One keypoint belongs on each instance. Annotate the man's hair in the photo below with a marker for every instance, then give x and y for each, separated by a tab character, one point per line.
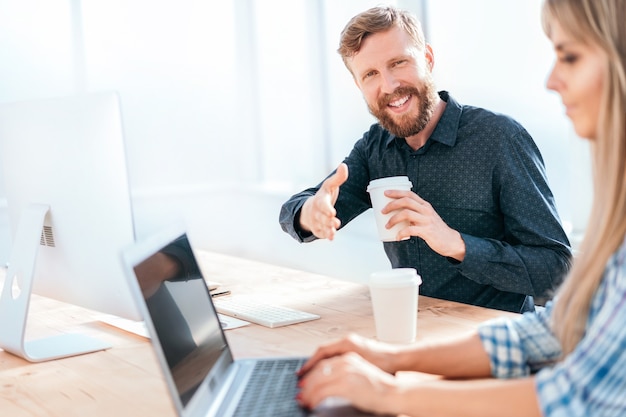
376	20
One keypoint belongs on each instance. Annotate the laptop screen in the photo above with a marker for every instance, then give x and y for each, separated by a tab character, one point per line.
183	317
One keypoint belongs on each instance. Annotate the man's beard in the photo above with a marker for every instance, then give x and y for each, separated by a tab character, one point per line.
408	125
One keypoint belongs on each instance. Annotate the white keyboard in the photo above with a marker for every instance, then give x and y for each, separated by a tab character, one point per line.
268	315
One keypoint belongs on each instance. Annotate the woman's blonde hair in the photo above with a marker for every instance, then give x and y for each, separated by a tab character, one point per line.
601	23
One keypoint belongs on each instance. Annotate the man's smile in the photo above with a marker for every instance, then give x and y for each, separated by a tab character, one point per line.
399	102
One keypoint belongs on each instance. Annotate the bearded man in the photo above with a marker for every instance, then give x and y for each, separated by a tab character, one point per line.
482	225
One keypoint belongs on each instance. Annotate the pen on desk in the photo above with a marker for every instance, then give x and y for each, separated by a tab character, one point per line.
220	293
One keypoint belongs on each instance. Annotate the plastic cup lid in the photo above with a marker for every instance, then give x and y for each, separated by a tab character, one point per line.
389	181
396	277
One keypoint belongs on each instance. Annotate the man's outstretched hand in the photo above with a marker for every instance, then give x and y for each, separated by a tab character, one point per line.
318	214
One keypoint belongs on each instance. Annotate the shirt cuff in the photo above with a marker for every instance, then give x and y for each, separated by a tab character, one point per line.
304	235
474	260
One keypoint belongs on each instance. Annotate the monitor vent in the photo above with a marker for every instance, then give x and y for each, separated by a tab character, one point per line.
47	237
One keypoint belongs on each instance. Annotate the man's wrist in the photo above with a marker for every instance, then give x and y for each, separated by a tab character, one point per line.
297	225
458	248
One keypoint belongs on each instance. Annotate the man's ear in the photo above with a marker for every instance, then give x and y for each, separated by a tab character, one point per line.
430	57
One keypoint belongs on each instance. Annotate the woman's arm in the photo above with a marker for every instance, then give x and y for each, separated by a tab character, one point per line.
480	398
463	357
369	388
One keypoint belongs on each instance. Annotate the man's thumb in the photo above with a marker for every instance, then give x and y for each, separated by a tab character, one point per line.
340	176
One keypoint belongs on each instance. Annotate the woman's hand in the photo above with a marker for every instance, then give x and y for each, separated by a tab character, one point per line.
350	377
377	353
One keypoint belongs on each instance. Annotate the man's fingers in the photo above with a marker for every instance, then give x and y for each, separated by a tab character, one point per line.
319	210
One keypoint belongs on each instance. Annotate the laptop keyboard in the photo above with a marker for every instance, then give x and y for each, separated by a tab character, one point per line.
271	390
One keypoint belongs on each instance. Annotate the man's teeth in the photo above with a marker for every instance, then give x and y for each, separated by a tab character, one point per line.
399	102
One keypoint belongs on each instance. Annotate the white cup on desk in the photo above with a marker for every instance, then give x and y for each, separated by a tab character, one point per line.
376	189
394	295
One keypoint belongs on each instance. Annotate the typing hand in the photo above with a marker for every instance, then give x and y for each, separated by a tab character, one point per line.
349	377
378	353
318	214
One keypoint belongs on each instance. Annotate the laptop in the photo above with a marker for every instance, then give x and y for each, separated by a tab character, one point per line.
202	377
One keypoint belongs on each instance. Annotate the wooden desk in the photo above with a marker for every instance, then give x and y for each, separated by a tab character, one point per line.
126	380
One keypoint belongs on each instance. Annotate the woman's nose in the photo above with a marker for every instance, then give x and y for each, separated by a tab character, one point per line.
553	82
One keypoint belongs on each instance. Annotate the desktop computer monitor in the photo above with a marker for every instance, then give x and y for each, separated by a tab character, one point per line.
64	166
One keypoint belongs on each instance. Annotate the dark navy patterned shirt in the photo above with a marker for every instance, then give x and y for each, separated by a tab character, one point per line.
485	177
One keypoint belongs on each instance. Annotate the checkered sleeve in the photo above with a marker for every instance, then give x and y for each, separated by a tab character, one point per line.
520	346
591	381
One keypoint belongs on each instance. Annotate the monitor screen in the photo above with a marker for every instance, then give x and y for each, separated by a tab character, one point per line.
67	154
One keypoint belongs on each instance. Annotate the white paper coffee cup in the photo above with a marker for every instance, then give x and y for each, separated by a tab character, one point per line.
376	189
394	296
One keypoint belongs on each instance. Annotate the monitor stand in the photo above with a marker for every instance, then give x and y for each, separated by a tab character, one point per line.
15	299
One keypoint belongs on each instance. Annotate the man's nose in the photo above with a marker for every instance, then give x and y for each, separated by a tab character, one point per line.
389	82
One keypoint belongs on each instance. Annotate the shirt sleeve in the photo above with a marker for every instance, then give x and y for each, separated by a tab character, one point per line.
591	381
290	212
520	346
533	255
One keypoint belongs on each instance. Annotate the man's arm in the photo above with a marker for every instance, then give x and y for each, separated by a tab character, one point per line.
289	217
533	256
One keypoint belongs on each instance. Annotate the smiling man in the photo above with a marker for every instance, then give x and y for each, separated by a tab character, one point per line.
482	226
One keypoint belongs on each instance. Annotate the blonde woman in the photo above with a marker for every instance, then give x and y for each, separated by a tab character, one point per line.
567	360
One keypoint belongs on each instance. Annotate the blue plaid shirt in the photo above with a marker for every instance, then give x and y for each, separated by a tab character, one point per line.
591	381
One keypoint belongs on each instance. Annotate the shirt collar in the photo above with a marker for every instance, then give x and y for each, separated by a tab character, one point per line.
445	131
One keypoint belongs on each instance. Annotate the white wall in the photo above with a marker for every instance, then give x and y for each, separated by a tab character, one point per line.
231	106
